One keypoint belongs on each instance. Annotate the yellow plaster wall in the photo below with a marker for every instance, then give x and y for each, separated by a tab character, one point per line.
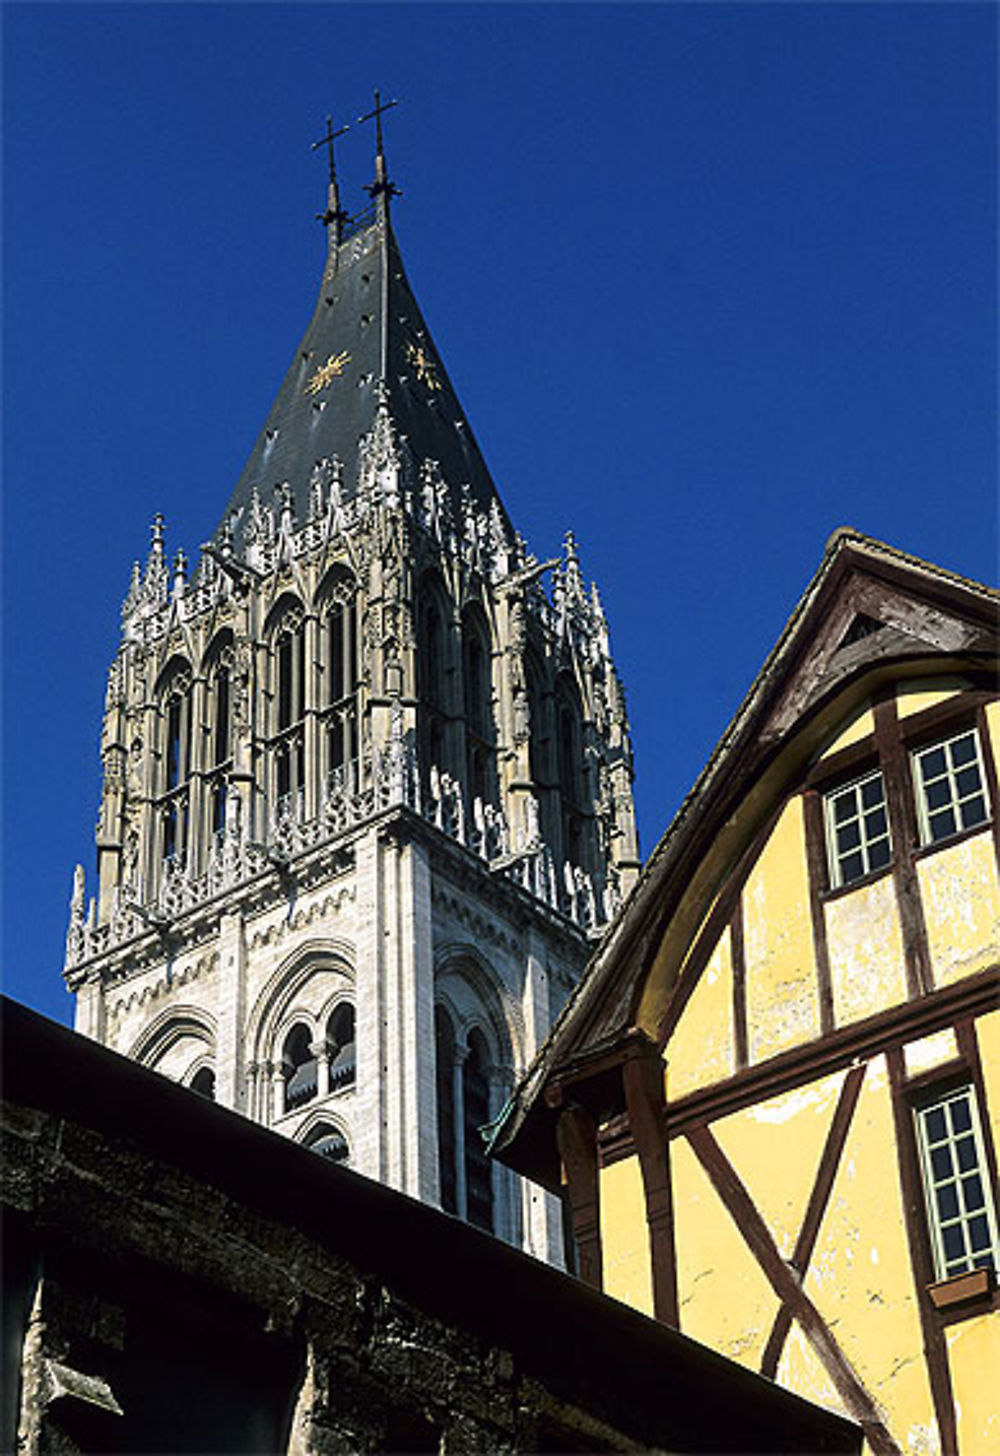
624	1236
961	899
862	725
801	1371
867	970
860	1277
725	1300
701	1049
781	991
775	1147
915	697
974	1363
930	1051
988	1037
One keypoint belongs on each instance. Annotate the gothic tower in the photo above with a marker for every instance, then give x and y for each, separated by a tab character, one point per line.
367	783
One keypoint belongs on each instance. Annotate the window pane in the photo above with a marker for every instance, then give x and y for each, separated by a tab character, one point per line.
972	1193
941	1163
983	1261
942	824
875	824
852	868
966	1151
973	812
935	1124
843	806
963	750
879	854
938	794
961	1117
947	1201
849	837
933	763
954	1244
872	792
979	1233
967	781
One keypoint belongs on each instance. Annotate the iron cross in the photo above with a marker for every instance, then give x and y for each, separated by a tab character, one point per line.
377	113
328	141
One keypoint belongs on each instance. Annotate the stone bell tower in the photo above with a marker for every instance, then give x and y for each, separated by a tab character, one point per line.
367	774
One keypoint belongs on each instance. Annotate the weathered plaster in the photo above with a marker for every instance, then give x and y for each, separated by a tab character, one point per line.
867	970
701	1049
958	886
626	1265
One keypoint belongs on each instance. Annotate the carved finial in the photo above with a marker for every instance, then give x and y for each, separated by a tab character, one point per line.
156	533
180	574
573	577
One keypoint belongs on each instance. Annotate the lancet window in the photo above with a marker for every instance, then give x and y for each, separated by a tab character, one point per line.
340	647
480	730
219	736
569	749
465	1173
340	1047
173	799
434	674
288	735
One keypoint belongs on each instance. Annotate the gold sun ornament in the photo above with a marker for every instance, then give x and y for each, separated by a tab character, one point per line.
423	365
327	373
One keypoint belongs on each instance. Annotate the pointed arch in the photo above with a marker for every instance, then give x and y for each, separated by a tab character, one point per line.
336	602
477	691
179	1043
435	672
284	632
218	661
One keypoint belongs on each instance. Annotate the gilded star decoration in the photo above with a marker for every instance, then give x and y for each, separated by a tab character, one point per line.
423	364
327	373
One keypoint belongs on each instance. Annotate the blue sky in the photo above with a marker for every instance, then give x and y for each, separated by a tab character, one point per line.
710	280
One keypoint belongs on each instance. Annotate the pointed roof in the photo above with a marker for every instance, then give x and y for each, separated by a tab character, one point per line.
870	609
366	345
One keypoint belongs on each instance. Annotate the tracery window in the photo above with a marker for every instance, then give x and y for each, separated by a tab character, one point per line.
340	649
476	1112
175	767
433	674
480	727
569	751
219	739
288	736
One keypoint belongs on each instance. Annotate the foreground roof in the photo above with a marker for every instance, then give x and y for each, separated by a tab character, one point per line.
63	1092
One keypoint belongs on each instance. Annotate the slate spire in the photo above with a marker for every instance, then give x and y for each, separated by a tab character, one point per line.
366	353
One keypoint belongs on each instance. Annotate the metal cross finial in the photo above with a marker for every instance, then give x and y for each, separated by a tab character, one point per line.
334	213
328	141
377	113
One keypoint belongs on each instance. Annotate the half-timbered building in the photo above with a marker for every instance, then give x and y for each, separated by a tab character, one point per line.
772	1103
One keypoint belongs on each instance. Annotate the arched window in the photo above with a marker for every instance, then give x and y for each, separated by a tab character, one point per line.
175	766
203	1082
569	750
288	736
219	735
299	1067
465	1174
476	1113
433	674
444	1044
340	648
480	730
340	1041
329	1142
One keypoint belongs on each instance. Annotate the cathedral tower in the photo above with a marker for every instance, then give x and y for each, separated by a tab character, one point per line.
367	782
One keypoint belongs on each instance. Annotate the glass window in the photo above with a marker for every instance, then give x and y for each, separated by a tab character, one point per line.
857	830
950	788
960	1212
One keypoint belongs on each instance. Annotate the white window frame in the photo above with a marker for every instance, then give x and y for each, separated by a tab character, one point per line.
971	1138
833	854
955	799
